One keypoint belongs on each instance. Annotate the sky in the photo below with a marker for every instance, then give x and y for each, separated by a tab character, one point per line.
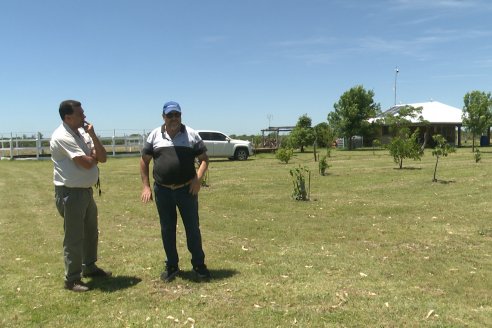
237	66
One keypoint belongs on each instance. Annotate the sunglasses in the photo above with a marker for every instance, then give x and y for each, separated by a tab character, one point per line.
173	114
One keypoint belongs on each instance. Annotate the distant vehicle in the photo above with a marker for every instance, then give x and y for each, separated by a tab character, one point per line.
221	145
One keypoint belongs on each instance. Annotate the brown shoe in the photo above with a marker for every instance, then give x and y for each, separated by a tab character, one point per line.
76	286
98	272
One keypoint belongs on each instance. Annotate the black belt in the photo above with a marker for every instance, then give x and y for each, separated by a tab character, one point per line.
174	186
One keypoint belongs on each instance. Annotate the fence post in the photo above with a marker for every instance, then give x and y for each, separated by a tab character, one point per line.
38	145
17	144
11	147
113	141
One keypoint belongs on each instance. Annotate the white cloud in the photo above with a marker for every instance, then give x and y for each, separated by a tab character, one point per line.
421	46
442	4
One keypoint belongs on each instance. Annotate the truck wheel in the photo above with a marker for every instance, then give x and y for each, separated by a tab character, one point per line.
241	154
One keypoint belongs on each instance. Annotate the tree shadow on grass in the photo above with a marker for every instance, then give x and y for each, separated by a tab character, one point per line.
444	181
113	284
408	168
218	274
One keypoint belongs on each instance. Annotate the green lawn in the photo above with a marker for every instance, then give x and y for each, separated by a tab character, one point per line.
375	247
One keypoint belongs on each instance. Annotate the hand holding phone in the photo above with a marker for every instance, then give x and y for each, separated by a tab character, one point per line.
89	128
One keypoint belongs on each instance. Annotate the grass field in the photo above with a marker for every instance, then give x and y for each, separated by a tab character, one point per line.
374	247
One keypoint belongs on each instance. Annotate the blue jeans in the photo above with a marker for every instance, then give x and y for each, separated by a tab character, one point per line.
167	200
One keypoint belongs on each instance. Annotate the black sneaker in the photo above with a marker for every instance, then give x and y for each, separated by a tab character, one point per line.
98	273
170	273
76	286
202	271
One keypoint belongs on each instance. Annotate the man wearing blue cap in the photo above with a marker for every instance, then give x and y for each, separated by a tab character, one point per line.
174	148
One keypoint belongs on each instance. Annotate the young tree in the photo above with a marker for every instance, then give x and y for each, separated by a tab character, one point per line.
303	134
301	190
323	165
324	134
442	149
477	113
352	112
404	143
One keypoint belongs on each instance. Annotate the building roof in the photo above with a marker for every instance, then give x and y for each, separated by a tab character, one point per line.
433	112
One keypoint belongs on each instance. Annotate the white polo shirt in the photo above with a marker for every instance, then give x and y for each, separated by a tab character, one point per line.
64	146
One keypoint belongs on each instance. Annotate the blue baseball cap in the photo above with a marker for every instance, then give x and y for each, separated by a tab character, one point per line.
171	106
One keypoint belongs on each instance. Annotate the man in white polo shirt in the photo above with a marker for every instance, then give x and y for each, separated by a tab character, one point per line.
75	152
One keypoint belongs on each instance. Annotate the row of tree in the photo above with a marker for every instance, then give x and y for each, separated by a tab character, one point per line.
353	111
350	118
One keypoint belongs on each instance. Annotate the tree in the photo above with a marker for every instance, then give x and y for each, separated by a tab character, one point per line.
403	117
303	134
352	111
324	134
477	113
442	149
404	144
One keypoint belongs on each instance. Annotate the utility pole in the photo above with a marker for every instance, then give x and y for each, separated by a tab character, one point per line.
396	76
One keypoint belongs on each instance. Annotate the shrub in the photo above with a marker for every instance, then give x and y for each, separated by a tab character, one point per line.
477	155
301	191
376	143
284	154
323	165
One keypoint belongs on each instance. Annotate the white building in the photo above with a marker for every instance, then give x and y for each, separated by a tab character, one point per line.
441	119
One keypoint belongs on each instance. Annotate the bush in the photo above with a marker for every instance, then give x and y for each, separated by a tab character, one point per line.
478	156
301	191
284	154
376	143
323	165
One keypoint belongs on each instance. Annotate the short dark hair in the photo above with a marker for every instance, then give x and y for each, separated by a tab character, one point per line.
67	107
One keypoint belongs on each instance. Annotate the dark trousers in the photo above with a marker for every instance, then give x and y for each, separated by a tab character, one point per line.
167	200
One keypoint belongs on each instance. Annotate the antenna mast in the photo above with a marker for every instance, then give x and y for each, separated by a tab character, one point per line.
396	76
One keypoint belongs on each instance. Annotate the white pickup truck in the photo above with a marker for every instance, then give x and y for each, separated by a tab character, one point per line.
220	145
